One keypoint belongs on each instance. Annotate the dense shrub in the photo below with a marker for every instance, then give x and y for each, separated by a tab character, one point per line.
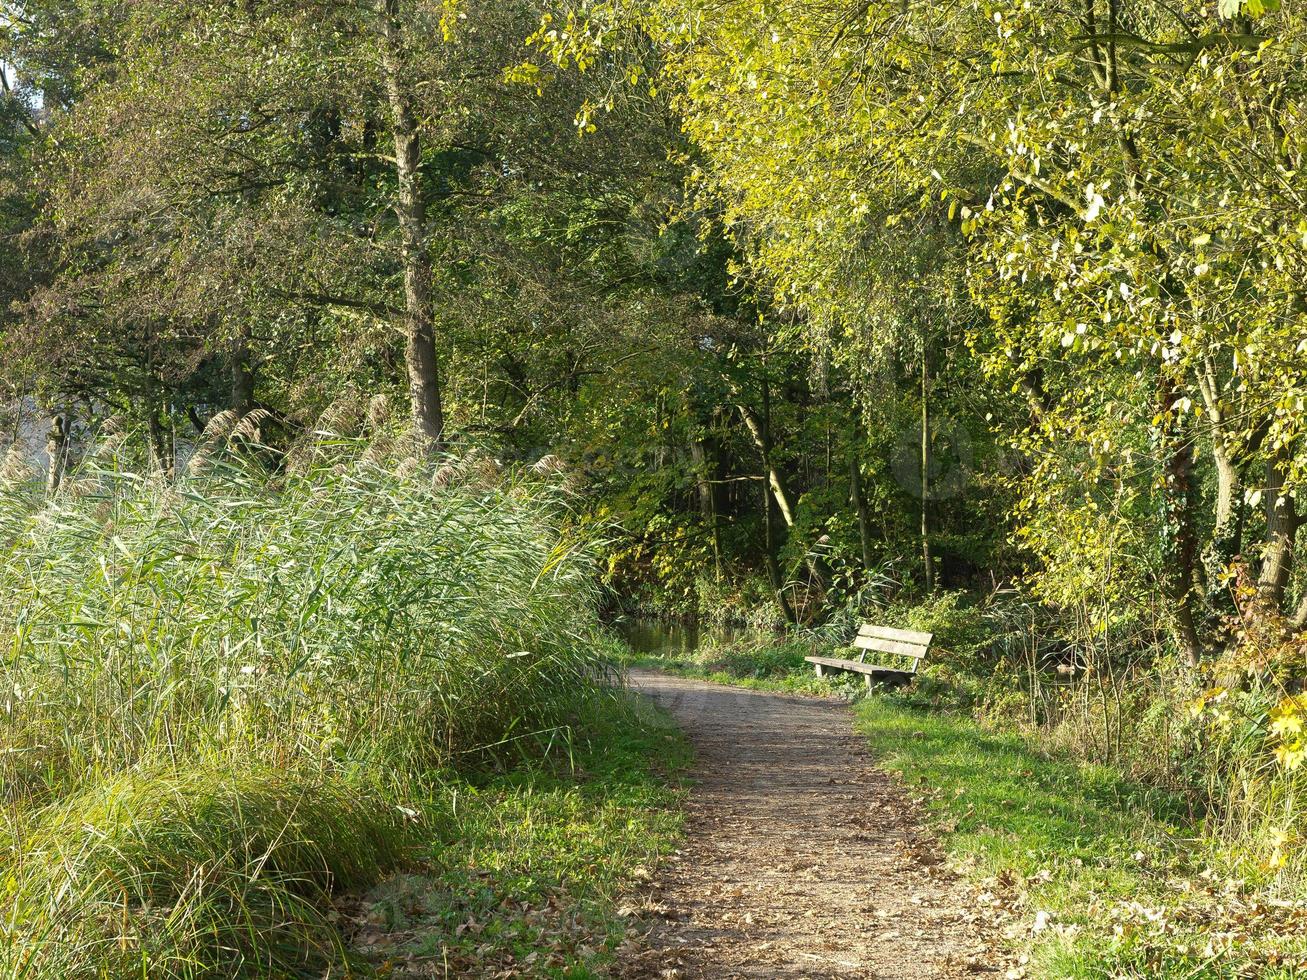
224	696
199	872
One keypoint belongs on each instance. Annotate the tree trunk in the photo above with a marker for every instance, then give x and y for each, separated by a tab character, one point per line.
1227	526
242	376
860	504
1299	620
773	496
1281	530
762	439
411	209
927	562
769	557
704	458
1177	495
163	448
1227	489
702	481
159	445
56	448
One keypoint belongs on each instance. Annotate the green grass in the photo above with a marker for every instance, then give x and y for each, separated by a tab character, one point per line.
757	662
1128	885
534	872
1131	884
230	698
527	869
197	872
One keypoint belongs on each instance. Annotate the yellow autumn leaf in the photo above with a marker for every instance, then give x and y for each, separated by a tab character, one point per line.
1291	756
1287	718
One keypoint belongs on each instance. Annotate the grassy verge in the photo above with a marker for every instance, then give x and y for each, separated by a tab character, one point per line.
1087	873
234	697
759	663
533	866
1081	871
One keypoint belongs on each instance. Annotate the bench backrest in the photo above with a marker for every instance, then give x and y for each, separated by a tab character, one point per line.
884	639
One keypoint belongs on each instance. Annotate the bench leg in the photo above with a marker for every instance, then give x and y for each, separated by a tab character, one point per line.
820	672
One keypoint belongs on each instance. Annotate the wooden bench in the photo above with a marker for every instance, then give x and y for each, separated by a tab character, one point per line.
882	639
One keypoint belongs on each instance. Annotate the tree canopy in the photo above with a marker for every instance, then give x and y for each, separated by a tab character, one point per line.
986	291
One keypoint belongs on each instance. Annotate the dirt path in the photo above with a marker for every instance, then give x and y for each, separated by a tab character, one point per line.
802	858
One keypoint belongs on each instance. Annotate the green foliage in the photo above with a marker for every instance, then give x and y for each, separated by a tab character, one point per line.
755	657
358	607
962	629
750	658
1072	240
1053	207
533	866
193	873
233	695
1097	856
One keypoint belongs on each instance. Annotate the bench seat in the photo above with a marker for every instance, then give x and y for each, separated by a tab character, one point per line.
882	639
857	667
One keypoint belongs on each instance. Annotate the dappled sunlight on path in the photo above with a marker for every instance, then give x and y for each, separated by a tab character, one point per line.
802	858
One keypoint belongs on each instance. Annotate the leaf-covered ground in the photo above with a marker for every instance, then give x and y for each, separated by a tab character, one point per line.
529	876
802	859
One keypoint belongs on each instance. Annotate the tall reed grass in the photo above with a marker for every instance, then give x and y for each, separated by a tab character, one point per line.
223	697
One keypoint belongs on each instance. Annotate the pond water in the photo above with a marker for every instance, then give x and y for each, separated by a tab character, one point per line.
670	637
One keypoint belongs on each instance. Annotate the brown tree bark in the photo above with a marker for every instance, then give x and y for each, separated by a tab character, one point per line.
860	504
1281	531
421	362
56	448
1178	493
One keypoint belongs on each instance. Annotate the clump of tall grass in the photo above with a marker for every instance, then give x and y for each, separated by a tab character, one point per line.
218	693
196	872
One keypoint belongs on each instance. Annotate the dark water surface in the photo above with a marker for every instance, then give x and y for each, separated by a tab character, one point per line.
670	638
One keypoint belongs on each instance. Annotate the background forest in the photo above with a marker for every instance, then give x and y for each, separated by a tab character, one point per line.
991	313
283	210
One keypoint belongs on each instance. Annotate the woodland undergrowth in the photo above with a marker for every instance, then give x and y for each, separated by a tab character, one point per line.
230	696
